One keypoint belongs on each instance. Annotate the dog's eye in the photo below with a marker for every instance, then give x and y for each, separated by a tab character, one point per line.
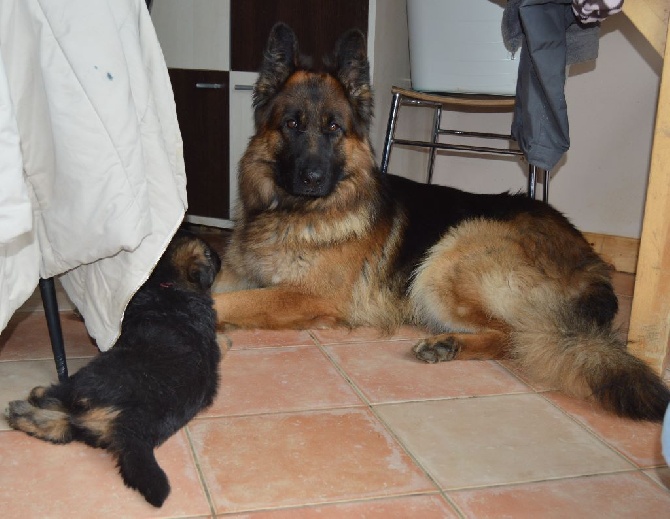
292	124
333	127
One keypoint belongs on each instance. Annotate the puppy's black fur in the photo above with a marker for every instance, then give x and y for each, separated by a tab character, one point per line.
161	372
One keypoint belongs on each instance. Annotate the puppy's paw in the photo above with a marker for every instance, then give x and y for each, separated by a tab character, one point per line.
38	398
17	409
46	424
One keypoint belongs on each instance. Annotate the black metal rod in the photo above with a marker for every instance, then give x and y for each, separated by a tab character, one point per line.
437	120
417	102
545	193
48	293
458	147
532	180
390	132
477	134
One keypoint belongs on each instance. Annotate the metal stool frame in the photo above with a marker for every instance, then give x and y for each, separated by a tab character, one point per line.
403	97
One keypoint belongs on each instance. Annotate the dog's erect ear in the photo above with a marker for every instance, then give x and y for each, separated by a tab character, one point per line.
279	62
353	71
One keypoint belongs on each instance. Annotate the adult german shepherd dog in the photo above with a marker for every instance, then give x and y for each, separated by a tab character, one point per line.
321	238
162	371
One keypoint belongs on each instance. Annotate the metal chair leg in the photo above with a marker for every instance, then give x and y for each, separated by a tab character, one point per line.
48	292
532	180
437	120
390	133
545	192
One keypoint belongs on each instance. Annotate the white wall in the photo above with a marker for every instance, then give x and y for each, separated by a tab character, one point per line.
193	34
600	183
389	60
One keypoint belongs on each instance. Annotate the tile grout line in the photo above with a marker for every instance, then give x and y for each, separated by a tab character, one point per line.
50	359
658	483
545	480
201	475
390	431
592	432
334	502
337	367
283	411
425	470
514	374
532	390
582	424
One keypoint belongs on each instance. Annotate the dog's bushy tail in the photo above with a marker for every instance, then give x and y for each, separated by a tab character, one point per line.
566	347
140	470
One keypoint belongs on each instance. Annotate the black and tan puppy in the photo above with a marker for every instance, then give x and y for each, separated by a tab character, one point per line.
161	372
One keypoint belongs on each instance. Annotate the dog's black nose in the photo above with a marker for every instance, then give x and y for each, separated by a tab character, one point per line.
312	177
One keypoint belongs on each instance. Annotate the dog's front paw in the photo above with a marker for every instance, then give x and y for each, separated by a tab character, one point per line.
436	349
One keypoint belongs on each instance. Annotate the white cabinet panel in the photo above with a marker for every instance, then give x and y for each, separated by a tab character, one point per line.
241	123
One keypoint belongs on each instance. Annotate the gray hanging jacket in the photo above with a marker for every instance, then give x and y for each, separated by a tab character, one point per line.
550	39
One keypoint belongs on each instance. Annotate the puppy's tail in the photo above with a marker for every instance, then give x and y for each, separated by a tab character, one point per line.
140	470
571	351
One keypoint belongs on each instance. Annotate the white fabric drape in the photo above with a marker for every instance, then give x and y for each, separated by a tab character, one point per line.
91	148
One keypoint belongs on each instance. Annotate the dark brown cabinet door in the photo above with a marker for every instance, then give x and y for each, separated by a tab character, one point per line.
201	97
317	23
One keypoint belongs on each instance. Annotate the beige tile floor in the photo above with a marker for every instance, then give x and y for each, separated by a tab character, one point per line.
332	424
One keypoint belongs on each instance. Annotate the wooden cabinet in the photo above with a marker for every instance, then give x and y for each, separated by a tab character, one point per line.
201	97
317	23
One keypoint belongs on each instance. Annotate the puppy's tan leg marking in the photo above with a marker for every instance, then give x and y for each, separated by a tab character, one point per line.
273	308
461	346
99	421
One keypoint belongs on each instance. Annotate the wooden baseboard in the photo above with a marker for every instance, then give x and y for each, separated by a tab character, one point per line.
618	250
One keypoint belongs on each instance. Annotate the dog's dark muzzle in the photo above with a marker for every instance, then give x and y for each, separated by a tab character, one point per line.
312	181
